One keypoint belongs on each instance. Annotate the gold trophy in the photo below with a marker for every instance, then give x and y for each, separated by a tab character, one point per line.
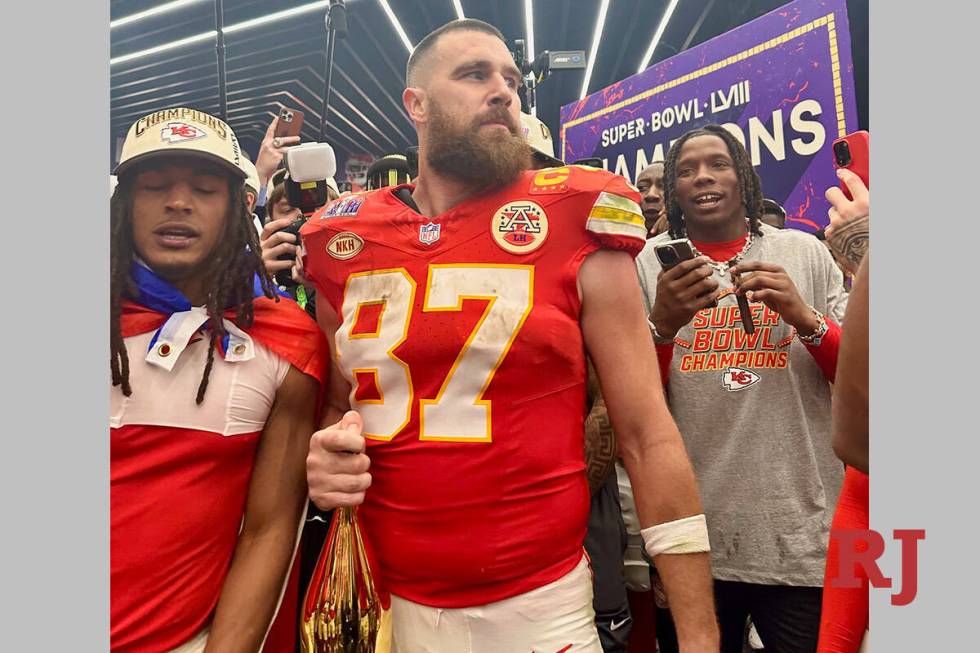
344	610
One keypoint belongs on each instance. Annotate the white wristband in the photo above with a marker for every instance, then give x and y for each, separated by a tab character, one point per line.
687	535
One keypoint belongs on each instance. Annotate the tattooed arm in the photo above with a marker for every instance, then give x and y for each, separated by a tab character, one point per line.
600	442
849	241
849	227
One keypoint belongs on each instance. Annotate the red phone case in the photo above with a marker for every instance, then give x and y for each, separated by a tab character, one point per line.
859	144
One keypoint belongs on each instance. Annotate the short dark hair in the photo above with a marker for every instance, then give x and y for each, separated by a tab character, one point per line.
426	44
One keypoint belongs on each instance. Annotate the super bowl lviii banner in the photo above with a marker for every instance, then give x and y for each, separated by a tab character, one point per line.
783	84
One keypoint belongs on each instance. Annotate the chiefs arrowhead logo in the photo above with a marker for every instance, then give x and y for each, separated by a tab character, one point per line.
175	132
736	379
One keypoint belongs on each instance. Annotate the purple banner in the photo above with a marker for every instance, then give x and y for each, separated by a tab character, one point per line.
783	84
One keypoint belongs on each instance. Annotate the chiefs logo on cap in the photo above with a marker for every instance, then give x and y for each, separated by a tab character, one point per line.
736	379
176	132
519	227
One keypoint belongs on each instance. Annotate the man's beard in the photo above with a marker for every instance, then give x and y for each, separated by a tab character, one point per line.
474	156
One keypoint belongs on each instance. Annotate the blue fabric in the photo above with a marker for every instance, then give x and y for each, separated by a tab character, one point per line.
159	295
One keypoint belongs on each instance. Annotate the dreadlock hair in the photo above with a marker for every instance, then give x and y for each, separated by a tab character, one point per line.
749	184
231	271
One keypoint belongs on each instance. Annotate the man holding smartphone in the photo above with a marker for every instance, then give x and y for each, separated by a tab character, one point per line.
754	409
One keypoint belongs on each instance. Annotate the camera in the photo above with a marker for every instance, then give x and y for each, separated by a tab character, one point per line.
566	59
286	115
307	168
538	70
842	154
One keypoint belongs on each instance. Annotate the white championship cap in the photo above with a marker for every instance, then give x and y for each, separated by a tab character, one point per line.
251	174
538	136
183	132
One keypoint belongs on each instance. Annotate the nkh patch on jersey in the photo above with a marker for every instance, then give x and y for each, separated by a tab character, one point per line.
345	245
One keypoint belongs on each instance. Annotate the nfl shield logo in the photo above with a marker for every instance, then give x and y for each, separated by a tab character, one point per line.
429	233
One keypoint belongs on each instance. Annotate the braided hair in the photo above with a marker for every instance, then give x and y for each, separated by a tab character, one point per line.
749	184
231	271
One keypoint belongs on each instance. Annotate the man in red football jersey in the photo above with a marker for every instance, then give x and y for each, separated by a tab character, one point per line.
459	312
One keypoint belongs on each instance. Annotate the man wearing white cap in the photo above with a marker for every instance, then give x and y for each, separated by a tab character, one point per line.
538	136
212	398
252	186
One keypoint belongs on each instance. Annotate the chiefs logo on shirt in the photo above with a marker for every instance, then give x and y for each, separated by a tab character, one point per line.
736	379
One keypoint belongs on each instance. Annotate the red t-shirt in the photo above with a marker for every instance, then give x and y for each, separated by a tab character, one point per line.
460	339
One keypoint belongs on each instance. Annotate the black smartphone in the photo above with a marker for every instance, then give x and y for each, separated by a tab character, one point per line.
673	252
285	277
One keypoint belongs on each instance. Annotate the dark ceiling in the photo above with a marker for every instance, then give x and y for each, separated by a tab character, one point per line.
282	63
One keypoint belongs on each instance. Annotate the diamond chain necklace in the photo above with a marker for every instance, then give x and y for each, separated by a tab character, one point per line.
723	267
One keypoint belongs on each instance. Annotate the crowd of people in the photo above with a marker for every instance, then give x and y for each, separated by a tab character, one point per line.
554	440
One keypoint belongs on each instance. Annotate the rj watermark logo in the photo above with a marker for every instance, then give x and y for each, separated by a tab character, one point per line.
859	548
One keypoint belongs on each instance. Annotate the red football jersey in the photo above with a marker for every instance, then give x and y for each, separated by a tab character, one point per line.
460	339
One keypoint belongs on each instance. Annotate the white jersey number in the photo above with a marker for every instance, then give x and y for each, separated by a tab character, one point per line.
458	413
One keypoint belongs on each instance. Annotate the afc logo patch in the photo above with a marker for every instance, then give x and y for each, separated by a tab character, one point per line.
735	379
519	227
175	132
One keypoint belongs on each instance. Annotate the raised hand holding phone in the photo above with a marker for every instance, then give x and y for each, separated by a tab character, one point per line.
290	123
852	152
